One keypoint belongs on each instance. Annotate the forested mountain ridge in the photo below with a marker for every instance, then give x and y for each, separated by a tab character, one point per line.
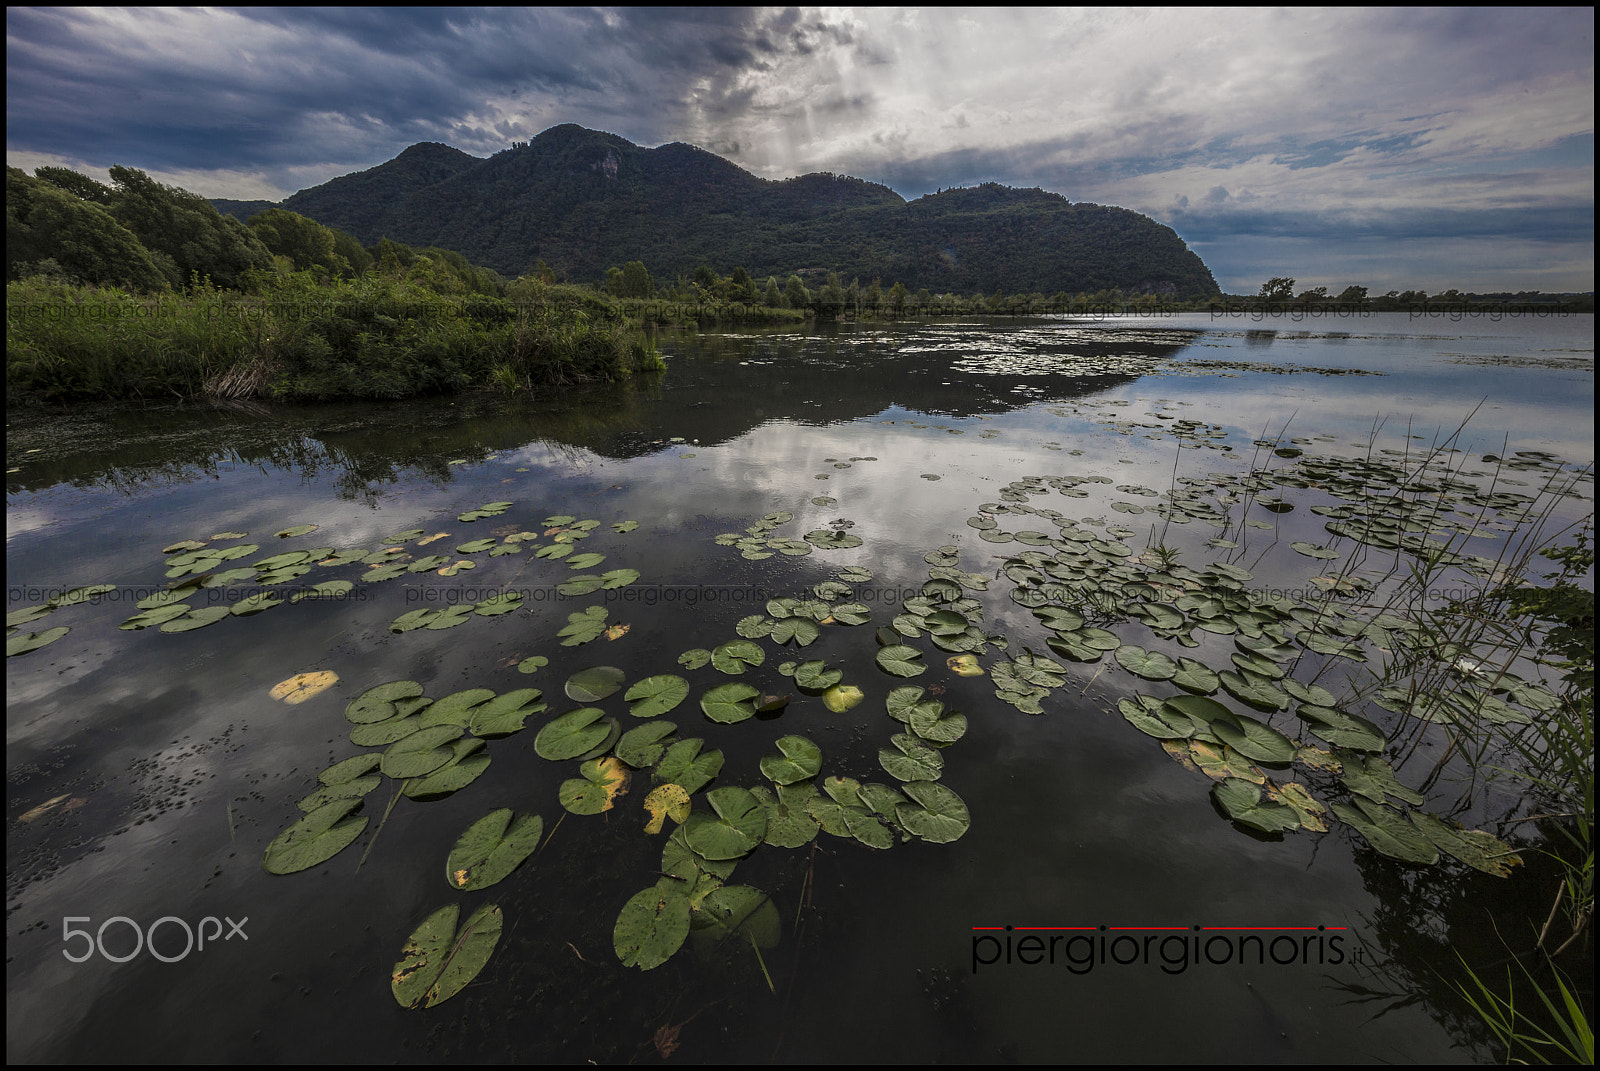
582	200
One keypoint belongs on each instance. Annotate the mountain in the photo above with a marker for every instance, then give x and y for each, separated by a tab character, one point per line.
582	201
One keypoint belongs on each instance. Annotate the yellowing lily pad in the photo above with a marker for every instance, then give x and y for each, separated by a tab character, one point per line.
302	686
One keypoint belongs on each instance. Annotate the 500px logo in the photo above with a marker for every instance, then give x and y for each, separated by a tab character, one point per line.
147	938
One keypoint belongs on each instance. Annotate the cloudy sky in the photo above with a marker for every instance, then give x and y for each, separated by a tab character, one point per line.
1392	148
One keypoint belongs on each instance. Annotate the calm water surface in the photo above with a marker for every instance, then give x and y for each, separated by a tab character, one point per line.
168	768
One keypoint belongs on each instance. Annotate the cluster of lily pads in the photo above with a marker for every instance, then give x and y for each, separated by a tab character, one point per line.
432	748
757	541
1081	584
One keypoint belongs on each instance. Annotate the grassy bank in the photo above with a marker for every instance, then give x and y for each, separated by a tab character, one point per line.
292	336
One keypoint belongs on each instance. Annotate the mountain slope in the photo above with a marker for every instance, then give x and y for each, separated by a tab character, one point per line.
582	200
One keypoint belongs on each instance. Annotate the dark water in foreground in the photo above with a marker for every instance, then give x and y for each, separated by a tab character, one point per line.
167	768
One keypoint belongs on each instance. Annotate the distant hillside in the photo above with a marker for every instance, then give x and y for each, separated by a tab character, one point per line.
582	201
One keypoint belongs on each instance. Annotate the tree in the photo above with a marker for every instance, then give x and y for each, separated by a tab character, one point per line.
772	297
1278	288
636	281
1355	294
307	243
832	294
739	288
872	297
1316	293
796	292
81	239
613	285
897	298
186	227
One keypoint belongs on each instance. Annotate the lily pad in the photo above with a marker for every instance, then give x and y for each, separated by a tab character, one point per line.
737	656
900	660
842	697
597	786
643	745
571	735
730	703
491	848
694	659
1149	665
800	760
594	684
1242	802
656	695
686	765
438	962
652	926
422	752
302	686
316	838
740	824
936	814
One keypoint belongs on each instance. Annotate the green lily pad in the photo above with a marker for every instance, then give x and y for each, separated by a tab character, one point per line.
1195	677
911	760
316	838
154	616
656	695
652	926
730	703
685	765
1343	730
800	760
197	618
643	745
506	713
583	626
936	814
798	629
900	660
789	825
694	659
735	657
1387	831
1149	665
422	752
1255	740
594	684
739	826
532	664
468	761
816	675
378	702
437	962
599	782
491	848
1242	802
571	735
1475	847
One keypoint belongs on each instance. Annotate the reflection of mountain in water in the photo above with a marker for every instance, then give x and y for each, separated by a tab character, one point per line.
718	387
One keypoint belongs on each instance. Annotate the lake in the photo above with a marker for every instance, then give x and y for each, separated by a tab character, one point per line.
1090	510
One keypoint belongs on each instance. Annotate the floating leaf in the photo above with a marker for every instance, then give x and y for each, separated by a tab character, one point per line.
802	631
594	684
314	839
468	761
571	735
651	927
599	783
1475	847
1242	802
734	657
729	703
421	752
740	824
685	765
198	618
302	686
1149	665
694	659
841	697
800	760
900	660
437	962
642	745
505	714
491	848
297	530
655	695
911	760
666	801
583	626
532	664
1387	831
936	814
